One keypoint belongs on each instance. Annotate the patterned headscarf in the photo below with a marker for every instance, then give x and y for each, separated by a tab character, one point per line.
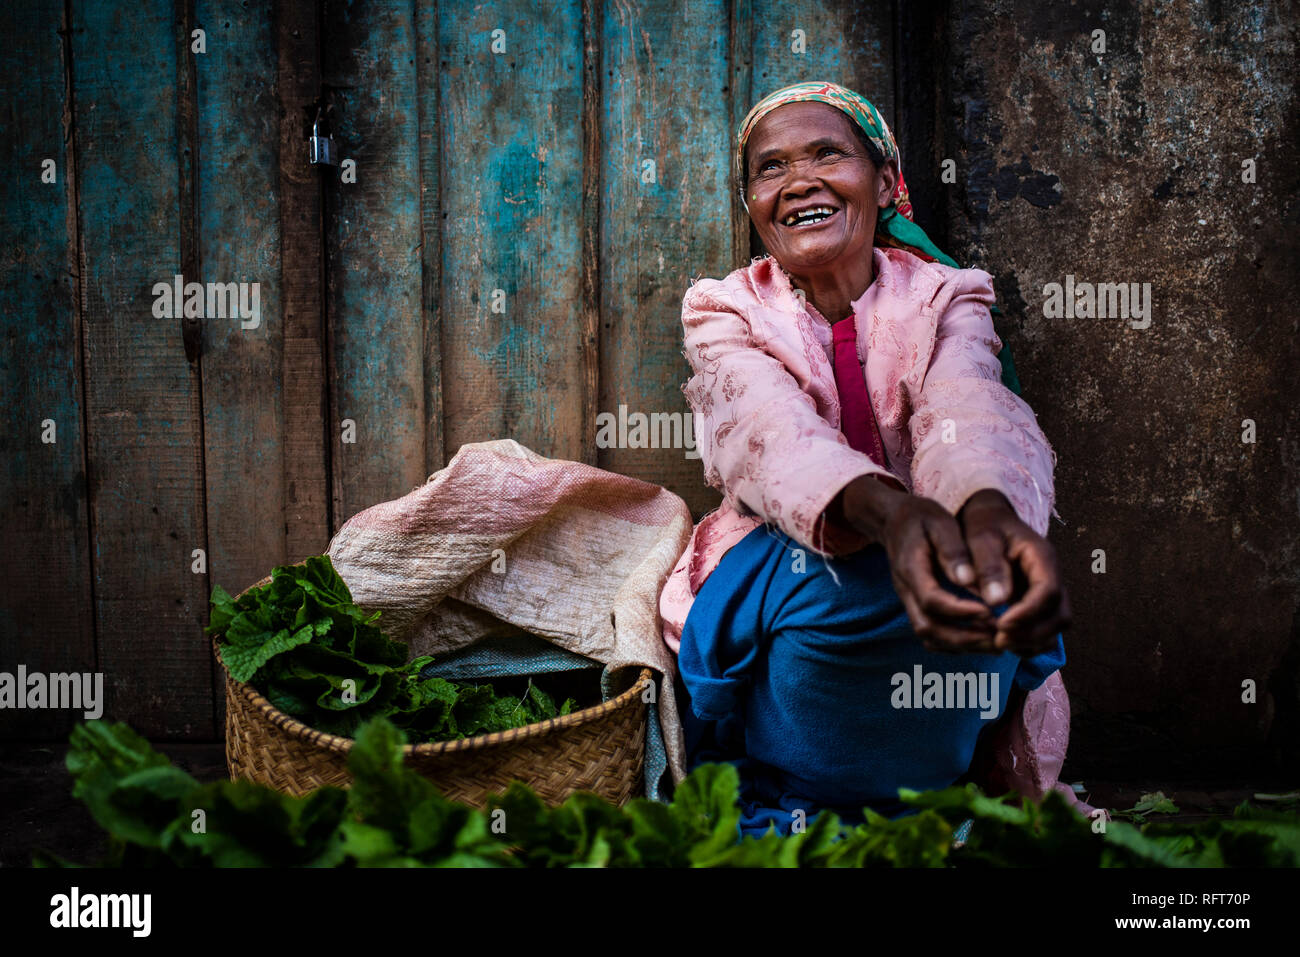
894	226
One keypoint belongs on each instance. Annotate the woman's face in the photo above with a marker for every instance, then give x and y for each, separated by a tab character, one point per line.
806	155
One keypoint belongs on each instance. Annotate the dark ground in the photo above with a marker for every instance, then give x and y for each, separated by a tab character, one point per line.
37	810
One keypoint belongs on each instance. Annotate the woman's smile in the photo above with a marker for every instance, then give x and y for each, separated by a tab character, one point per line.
810	218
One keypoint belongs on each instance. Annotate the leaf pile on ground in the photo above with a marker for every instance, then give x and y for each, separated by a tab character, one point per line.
157	815
315	654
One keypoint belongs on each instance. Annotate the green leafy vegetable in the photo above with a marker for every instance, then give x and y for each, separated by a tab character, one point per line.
400	819
131	790
315	654
157	815
1149	804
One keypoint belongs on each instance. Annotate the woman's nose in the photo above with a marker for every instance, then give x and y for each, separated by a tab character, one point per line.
799	178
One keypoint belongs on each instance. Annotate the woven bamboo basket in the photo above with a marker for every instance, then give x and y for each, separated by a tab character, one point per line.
599	749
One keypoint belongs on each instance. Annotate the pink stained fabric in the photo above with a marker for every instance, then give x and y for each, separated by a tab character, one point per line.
768	415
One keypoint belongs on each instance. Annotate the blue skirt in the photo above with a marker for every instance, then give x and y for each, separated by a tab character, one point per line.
805	673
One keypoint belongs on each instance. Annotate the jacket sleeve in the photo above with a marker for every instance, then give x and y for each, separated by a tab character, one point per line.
761	440
969	431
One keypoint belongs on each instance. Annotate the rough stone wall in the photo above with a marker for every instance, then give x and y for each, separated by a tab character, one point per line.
1126	166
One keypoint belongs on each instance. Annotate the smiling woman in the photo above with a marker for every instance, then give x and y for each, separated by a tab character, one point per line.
850	405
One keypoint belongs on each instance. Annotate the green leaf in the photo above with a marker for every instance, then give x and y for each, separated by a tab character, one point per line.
223	611
1156	803
389	796
1148	804
543	702
131	790
370	846
243	661
705	804
658	834
243	824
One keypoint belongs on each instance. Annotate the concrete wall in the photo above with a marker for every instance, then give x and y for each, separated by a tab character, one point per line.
1127	166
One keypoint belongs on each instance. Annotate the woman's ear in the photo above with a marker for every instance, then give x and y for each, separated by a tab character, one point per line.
888	177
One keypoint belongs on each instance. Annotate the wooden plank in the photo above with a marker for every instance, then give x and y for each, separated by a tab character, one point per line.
743	238
666	100
239	242
589	344
850	42
45	605
428	76
144	443
373	257
307	498
512	206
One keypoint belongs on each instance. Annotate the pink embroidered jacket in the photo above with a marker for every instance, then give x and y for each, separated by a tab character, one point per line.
767	418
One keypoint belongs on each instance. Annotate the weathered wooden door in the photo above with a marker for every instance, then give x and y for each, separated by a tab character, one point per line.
529	190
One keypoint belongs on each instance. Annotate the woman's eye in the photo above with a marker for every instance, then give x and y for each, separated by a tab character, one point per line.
769	165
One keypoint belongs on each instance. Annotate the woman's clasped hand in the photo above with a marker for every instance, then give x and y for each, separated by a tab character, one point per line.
985	550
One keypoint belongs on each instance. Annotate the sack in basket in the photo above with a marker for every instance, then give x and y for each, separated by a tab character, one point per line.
559	549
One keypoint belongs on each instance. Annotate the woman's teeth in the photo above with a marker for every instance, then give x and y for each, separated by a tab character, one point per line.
809	217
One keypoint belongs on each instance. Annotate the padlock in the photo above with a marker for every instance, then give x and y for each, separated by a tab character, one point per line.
320	145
